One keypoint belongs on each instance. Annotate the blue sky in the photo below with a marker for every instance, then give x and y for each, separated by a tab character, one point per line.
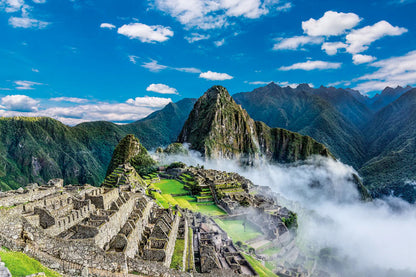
120	60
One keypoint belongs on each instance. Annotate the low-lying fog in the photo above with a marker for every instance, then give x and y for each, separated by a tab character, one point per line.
375	238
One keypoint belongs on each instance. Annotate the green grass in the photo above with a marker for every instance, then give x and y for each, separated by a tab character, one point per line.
170	186
188	202
271	251
235	229
177	258
261	270
20	264
189	264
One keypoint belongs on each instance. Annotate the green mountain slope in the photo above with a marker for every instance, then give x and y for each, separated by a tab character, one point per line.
299	110
218	127
392	145
38	149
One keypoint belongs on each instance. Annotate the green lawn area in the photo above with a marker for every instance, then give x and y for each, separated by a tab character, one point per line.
188	202
178	254
271	251
20	264
259	267
235	229
170	186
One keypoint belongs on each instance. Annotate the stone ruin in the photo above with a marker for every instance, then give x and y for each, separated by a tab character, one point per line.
214	250
107	231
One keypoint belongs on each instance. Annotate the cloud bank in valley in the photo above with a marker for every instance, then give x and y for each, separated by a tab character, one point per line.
372	238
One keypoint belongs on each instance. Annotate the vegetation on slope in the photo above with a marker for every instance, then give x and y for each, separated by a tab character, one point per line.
20	264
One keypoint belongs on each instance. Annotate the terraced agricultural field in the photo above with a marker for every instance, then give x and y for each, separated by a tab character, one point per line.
236	230
170	186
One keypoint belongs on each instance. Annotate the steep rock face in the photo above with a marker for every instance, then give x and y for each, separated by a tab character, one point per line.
130	150
218	127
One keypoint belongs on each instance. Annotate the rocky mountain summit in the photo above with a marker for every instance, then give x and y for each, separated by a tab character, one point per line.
220	128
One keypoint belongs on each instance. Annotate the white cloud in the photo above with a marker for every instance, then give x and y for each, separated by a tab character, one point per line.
107	26
154	66
35	70
395	71
11	6
219	43
147	101
211	14
26	22
214	76
20	103
133	58
24	85
359	40
360	59
162	89
146	33
311	65
131	110
294	43
194	37
331	48
330	24
187	69
282	84
39	1
69	99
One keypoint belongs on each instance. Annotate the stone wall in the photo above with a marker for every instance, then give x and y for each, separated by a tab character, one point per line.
13	198
110	228
102	198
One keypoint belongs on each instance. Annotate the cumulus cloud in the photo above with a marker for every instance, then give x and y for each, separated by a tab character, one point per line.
211	14
395	71
131	110
147	101
69	99
296	42
331	48
107	26
330	24
162	89
194	37
146	33
360	59
25	85
19	103
11	6
215	76
359	40
311	65
26	22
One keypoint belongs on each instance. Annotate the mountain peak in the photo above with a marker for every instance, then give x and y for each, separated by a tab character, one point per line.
303	86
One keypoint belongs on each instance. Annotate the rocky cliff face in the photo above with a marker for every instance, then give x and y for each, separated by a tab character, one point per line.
220	128
130	150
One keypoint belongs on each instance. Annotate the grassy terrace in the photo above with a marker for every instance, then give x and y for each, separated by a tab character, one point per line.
20	264
169	187
259	267
235	229
177	257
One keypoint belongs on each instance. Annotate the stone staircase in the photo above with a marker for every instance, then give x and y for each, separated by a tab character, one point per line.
4	272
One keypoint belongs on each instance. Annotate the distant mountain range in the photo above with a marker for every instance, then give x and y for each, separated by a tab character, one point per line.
375	135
